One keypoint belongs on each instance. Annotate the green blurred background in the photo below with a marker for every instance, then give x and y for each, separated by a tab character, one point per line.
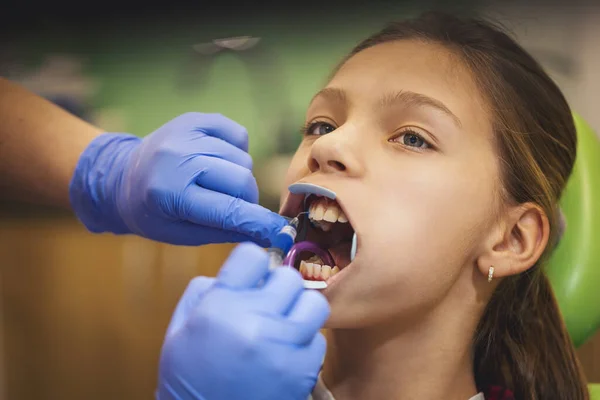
151	73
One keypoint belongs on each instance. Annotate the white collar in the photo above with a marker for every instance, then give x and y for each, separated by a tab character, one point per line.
320	392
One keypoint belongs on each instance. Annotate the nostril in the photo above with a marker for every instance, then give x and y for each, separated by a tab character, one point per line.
313	165
336	165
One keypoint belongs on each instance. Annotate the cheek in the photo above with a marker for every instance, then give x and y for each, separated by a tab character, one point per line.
433	210
417	237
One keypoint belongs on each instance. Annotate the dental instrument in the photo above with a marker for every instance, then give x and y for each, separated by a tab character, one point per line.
283	251
283	242
311	188
354	246
308	246
302	245
304	188
314	284
314	248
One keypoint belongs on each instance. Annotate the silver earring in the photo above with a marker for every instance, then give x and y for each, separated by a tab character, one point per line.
490	274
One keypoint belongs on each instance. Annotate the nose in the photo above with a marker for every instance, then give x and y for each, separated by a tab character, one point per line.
335	153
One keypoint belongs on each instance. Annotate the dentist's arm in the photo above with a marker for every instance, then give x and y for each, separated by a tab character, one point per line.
40	145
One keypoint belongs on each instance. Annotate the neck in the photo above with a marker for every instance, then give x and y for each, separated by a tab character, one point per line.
425	360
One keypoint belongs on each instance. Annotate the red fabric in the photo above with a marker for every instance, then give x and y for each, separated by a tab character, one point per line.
498	393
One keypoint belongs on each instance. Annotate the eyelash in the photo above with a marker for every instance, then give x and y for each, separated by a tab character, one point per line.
413	132
309	127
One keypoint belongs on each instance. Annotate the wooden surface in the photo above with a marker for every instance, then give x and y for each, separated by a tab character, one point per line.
83	316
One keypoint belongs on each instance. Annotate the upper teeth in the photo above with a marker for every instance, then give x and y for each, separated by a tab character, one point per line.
324	209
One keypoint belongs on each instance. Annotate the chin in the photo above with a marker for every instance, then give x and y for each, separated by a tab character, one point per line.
348	311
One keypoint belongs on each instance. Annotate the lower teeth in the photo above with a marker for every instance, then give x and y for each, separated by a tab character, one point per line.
316	271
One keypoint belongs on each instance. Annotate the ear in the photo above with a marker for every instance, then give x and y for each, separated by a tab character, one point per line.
517	243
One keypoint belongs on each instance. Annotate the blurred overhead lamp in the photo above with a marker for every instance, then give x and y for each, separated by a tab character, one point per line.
238	43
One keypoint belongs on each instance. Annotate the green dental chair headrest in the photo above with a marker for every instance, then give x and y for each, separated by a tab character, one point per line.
574	268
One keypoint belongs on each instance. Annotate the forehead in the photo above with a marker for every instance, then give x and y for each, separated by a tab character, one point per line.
409	65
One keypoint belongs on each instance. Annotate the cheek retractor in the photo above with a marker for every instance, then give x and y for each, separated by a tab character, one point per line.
353	249
307	246
315	249
283	246
309	188
311	247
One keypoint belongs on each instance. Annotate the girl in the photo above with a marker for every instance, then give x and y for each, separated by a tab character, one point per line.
448	147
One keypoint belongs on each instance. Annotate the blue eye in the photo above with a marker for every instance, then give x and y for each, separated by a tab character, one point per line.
318	128
411	138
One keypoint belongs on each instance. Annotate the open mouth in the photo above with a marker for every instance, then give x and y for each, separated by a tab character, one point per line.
324	222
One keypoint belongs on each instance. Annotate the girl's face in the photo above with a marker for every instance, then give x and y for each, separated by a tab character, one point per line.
401	135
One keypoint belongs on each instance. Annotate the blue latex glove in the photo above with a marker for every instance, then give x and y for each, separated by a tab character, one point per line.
190	183
233	338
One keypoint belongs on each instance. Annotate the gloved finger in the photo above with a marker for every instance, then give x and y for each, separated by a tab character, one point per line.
280	291
190	234
318	348
218	148
311	357
304	321
219	126
311	311
305	358
218	210
225	177
246	266
188	302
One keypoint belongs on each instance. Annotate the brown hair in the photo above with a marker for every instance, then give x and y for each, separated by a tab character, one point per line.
521	341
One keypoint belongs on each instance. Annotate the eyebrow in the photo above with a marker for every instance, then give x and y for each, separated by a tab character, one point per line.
405	98
408	98
334	95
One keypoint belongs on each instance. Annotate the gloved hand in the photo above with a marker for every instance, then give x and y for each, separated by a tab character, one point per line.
233	338
189	183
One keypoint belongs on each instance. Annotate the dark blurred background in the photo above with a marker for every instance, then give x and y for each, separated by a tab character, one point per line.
83	316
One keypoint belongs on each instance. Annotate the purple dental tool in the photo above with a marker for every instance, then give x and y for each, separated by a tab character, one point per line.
308	246
312	247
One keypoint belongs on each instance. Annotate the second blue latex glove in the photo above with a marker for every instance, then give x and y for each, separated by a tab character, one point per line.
234	337
189	183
